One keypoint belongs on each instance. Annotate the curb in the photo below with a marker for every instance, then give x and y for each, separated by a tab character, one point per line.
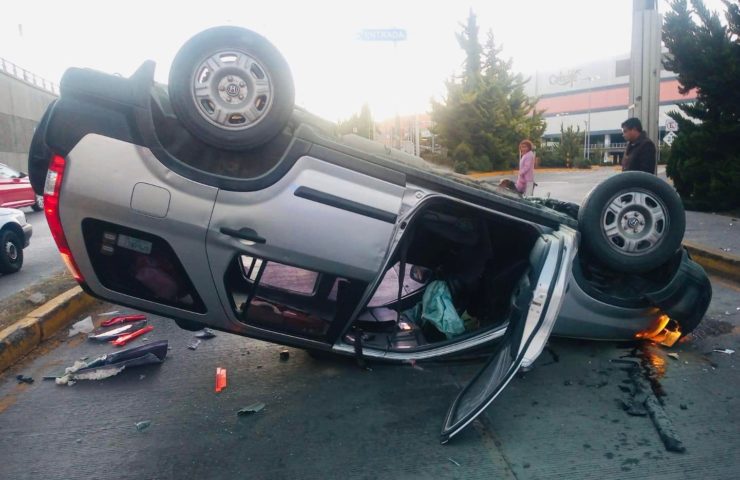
19	339
719	263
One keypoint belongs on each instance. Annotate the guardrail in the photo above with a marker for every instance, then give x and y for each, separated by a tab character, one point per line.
28	77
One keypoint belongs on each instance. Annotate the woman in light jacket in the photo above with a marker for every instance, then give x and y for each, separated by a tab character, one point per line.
525	180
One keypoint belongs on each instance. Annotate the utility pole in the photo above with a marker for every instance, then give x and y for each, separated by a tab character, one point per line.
646	66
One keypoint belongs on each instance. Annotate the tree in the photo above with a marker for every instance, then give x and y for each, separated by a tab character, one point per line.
705	53
486	108
361	124
571	145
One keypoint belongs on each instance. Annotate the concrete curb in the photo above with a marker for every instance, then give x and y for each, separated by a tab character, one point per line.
716	262
19	339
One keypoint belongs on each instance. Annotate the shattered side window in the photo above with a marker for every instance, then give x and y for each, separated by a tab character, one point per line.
276	275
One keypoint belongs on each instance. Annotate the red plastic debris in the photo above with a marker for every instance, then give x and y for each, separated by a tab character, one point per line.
122	319
121	341
220	379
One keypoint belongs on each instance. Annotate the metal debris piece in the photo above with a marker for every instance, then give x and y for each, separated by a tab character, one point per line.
673	355
24	379
83	326
726	351
284	355
451	460
250	409
194	344
205	334
141	426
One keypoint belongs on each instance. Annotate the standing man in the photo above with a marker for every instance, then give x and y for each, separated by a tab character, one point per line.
525	180
640	153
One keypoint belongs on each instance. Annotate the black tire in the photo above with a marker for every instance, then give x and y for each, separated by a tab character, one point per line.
39	154
250	77
642	229
11	252
39	205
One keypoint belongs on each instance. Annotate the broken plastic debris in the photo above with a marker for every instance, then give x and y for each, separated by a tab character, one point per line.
83	326
253	408
220	379
194	344
105	335
24	379
205	334
284	355
451	460
121	341
726	351
114	312
113	363
141	426
673	355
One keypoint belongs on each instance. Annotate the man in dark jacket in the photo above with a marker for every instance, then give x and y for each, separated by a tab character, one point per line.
640	153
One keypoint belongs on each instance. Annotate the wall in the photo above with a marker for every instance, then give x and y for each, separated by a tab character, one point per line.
21	107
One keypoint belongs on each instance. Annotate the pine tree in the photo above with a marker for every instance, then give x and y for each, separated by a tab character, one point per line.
705	53
361	124
486	112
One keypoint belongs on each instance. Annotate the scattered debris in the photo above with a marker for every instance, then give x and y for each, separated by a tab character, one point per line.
122	319
121	341
142	376
37	298
451	460
105	335
141	426
24	379
567	383
79	440
413	364
250	409
107	314
205	334
673	355
220	379
683	406
83	326
726	351
112	364
284	355
726	249
194	344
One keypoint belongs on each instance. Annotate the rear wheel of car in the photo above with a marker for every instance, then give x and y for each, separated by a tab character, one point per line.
11	252
632	222
231	88
39	205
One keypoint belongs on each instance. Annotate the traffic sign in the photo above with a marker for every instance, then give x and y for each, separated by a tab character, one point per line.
383	35
669	138
671	125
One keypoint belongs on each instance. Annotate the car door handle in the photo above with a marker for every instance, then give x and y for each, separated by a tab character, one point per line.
243	233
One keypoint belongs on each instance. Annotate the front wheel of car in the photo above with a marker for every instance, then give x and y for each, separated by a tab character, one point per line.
39	205
11	252
231	88
632	222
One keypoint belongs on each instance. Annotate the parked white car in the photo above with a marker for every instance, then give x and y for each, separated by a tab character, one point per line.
15	234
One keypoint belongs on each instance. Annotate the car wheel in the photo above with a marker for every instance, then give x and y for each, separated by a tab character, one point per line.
11	252
39	205
231	88
632	222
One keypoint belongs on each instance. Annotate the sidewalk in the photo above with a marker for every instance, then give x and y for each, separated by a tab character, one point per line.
714	242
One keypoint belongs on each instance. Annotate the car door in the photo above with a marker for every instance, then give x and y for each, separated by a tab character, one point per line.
537	303
286	257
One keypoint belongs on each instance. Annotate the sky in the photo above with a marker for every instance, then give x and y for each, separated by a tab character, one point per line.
334	71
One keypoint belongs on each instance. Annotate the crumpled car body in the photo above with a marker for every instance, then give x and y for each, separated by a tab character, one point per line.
325	242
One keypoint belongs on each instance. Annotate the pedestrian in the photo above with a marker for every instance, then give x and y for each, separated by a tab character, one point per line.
640	152
525	180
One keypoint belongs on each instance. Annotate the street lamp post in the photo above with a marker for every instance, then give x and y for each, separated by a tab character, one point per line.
587	134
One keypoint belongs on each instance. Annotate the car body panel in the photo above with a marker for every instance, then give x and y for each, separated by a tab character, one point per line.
15	189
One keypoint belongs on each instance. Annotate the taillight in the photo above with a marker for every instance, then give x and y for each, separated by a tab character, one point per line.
51	208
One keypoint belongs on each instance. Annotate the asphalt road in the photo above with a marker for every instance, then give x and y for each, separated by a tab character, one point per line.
329	419
40	260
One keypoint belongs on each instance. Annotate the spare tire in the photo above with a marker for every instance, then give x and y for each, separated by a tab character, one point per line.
632	222
231	88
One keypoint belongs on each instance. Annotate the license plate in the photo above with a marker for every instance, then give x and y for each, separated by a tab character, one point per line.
135	244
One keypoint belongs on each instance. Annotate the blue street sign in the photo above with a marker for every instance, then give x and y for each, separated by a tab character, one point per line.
383	35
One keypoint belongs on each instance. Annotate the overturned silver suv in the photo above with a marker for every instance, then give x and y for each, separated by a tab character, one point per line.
215	201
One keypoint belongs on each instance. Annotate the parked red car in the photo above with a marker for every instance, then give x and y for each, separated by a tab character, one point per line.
16	190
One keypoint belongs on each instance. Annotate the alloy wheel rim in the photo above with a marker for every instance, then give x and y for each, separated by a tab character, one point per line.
634	222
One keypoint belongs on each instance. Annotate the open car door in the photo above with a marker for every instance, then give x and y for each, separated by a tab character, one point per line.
537	303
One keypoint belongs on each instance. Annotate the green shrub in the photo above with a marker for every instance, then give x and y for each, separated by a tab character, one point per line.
461	167
582	163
